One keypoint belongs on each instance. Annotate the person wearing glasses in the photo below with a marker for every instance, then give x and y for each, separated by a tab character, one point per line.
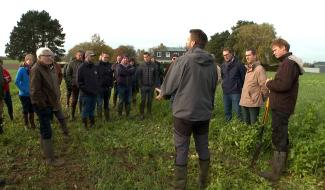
45	95
233	75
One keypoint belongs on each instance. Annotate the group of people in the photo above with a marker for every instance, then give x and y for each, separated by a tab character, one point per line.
244	91
190	82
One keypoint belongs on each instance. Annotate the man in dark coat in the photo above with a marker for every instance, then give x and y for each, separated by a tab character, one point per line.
283	97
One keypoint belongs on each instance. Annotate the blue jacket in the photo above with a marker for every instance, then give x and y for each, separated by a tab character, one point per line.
233	76
22	81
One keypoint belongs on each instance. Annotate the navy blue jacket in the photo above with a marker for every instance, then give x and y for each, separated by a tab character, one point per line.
106	75
124	75
88	79
233	76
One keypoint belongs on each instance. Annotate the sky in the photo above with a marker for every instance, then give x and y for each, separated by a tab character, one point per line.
147	23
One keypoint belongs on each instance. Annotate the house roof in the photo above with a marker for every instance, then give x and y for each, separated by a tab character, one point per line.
178	49
320	63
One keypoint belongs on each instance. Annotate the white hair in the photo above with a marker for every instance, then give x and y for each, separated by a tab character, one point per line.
42	50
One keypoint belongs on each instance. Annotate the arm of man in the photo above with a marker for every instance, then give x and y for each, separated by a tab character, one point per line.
284	79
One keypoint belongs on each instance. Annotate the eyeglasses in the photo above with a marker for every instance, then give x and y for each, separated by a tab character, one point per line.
47	55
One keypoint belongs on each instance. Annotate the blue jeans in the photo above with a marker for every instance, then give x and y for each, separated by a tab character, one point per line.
44	116
231	103
250	114
88	106
124	98
103	97
27	104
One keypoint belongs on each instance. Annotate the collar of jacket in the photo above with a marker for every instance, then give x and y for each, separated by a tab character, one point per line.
191	50
103	63
89	64
251	67
284	56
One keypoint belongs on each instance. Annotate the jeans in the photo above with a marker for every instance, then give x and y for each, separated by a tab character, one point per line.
250	114
280	137
88	106
27	104
124	98
146	98
104	97
182	135
44	116
231	103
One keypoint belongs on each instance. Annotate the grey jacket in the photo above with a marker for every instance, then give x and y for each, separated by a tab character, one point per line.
193	79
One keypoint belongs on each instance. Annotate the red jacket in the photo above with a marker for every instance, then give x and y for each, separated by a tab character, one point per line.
7	77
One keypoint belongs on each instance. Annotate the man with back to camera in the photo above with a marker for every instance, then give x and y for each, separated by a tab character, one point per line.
192	106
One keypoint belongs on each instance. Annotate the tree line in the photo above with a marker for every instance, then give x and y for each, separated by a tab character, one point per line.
37	29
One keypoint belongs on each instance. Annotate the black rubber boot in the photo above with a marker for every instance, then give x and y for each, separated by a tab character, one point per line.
278	165
180	177
31	120
2	182
1	125
92	122
204	172
47	147
85	122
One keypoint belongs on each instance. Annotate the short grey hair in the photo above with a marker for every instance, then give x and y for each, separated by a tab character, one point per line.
42	50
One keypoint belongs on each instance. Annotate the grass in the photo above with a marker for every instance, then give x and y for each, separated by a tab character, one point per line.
133	154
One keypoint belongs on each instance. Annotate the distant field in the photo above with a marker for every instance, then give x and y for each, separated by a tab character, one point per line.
11	64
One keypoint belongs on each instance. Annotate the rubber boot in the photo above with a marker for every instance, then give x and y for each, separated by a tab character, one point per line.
85	122
141	117
2	182
11	115
127	109
107	118
63	126
1	125
92	122
99	113
120	109
26	123
49	153
180	177
149	106
73	112
80	107
31	120
278	165
204	172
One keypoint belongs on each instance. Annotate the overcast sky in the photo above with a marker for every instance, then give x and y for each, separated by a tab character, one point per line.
147	23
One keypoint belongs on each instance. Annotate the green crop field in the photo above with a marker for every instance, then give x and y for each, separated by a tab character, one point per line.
131	154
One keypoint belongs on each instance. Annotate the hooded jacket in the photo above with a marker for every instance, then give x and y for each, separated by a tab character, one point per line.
193	80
